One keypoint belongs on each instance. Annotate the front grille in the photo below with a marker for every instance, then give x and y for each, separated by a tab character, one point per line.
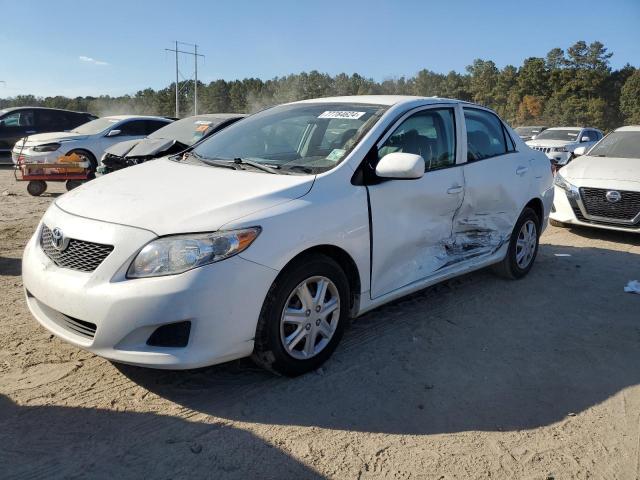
543	149
596	204
78	254
82	328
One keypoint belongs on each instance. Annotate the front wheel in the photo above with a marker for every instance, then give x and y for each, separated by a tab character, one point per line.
303	317
523	247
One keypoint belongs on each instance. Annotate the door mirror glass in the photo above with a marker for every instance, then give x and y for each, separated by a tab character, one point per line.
401	165
113	133
585	139
580	151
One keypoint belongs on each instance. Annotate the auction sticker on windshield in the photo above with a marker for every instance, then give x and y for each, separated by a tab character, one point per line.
341	114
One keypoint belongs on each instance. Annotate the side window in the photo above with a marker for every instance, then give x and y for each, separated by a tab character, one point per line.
19	119
51	120
430	134
153	125
133	128
485	136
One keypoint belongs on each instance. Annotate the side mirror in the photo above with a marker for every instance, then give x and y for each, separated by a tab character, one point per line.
585	139
114	133
400	165
533	137
580	151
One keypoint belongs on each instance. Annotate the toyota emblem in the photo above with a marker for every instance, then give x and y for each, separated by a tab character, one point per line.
58	239
613	196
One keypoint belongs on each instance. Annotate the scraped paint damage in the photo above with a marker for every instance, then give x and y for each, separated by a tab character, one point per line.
473	237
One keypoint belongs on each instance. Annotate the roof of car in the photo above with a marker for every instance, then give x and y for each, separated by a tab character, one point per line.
380	99
628	128
12	109
142	117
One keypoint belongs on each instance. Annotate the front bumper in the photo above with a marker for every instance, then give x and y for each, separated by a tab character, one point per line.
568	210
222	300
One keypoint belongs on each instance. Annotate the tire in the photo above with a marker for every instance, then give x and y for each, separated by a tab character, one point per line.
279	339
556	223
525	236
71	184
36	187
93	163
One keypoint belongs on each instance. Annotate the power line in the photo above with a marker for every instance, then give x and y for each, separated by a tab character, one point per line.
178	73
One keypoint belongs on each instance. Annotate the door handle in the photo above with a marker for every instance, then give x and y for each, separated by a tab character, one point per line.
522	170
455	189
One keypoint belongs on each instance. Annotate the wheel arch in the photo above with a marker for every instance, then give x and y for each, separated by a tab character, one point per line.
537	206
344	260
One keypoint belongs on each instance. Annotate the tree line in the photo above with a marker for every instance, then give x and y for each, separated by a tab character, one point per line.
576	86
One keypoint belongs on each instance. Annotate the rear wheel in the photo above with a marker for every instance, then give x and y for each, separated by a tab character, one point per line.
36	187
303	317
71	184
523	247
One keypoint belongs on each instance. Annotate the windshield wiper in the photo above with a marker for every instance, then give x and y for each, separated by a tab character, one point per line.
258	165
211	161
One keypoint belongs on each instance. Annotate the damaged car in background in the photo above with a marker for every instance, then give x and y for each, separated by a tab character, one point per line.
601	188
87	141
268	237
171	139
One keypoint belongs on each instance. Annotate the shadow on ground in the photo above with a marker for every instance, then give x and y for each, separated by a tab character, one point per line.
43	442
478	353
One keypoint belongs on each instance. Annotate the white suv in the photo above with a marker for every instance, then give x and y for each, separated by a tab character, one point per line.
89	140
559	143
270	235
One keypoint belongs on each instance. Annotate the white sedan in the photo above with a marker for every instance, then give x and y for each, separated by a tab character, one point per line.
89	140
602	188
269	236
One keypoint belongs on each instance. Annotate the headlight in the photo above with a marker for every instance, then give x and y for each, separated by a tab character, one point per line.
47	147
560	181
179	253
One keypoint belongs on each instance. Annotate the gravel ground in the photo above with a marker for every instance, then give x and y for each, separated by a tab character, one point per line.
475	378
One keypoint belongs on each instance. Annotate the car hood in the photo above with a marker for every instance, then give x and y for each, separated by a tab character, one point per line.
603	168
122	148
40	138
549	143
145	147
168	197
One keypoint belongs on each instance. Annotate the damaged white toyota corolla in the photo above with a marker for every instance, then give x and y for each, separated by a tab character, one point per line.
268	237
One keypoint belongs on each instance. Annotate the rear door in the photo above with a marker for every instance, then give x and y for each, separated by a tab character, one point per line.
411	220
498	182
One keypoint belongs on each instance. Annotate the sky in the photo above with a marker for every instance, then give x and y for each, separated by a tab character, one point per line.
77	48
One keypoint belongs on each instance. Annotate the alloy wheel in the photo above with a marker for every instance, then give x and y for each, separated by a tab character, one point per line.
526	244
310	317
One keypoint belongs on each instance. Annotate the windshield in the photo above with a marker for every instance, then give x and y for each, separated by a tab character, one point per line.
188	130
313	136
528	131
618	144
95	126
568	135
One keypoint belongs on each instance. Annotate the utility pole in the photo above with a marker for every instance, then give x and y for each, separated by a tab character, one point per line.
195	89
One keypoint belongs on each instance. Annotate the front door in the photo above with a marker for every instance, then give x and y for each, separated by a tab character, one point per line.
412	220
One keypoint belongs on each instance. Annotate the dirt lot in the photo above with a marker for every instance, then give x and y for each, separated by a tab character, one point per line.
475	378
